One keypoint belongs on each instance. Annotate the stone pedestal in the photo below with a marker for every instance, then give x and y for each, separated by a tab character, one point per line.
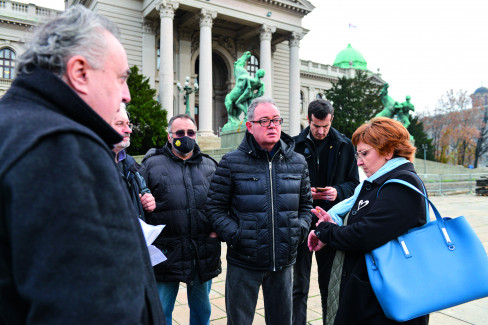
232	139
208	141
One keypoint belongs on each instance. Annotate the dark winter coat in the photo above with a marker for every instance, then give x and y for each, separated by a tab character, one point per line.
260	206
342	169
396	210
71	247
180	189
135	183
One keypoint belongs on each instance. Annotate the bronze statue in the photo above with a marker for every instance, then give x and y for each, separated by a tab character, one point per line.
403	114
389	103
394	109
245	90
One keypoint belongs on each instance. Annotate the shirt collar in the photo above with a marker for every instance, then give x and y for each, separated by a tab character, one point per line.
121	155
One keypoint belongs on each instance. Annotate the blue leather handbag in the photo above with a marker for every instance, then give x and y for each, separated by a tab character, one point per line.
436	266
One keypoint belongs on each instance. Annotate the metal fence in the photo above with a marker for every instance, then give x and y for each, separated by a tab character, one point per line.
444	184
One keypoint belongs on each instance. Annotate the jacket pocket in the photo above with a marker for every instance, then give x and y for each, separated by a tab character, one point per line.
295	234
247	242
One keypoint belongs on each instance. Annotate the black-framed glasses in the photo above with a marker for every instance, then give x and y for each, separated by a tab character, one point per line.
267	122
121	124
181	133
363	153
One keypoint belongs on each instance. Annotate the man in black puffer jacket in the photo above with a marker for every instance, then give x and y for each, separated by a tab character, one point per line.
259	204
179	176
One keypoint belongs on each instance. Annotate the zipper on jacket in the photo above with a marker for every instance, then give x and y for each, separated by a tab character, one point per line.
272	212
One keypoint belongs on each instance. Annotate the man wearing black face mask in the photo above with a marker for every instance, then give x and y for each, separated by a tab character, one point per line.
179	176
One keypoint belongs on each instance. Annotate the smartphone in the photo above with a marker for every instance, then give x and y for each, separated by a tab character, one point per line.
321	189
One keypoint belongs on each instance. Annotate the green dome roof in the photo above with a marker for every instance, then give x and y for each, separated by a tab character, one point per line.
348	56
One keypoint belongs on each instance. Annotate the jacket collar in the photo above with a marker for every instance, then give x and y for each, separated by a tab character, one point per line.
249	145
405	167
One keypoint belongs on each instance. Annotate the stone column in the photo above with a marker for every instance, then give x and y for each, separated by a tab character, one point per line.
265	59
149	52
166	69
184	70
205	73
294	43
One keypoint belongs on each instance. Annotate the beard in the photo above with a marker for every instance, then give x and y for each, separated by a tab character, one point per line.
124	144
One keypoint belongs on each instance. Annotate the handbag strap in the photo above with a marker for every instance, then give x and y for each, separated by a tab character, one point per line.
440	220
427	214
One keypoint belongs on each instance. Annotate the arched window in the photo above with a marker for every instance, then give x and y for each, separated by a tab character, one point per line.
319	96
7	63
252	66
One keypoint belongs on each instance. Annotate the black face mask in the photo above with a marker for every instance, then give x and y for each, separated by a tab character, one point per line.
184	144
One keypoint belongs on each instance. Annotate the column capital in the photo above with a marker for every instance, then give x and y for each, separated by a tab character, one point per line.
266	32
207	17
148	26
167	8
295	38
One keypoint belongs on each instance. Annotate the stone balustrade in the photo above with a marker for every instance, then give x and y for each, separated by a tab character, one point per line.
27	11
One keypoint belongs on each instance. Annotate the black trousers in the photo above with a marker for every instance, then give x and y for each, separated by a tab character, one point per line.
301	280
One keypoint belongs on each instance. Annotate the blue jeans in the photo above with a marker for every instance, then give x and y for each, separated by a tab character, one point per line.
198	300
241	295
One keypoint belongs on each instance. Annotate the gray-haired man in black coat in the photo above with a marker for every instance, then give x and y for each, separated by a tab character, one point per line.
71	248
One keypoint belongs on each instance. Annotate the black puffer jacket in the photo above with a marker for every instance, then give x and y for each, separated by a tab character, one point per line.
260	205
180	190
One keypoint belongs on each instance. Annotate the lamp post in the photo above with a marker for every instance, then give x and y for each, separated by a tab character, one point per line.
187	90
425	147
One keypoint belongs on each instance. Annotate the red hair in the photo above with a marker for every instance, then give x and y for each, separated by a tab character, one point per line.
386	135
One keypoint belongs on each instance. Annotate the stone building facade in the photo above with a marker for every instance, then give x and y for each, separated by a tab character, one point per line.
202	39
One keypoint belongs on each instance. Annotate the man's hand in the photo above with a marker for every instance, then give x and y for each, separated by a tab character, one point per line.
314	243
324	193
148	202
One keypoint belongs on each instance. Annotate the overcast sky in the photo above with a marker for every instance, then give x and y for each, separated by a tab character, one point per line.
423	48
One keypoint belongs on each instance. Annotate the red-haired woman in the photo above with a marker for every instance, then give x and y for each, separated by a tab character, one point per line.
365	222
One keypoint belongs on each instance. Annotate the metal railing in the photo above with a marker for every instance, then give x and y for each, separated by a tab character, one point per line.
444	184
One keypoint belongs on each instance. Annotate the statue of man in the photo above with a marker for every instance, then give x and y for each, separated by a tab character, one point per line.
403	114
245	90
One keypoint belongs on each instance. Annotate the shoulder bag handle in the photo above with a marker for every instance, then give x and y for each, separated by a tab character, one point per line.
440	220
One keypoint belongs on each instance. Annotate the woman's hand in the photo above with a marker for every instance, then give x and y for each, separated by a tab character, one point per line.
314	243
322	215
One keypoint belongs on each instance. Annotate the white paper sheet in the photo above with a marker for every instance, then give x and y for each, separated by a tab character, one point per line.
150	234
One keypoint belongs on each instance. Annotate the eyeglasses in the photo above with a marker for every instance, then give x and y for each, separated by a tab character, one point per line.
363	153
181	133
121	124
267	122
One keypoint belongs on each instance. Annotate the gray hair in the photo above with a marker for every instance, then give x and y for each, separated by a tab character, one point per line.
77	31
256	102
184	116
